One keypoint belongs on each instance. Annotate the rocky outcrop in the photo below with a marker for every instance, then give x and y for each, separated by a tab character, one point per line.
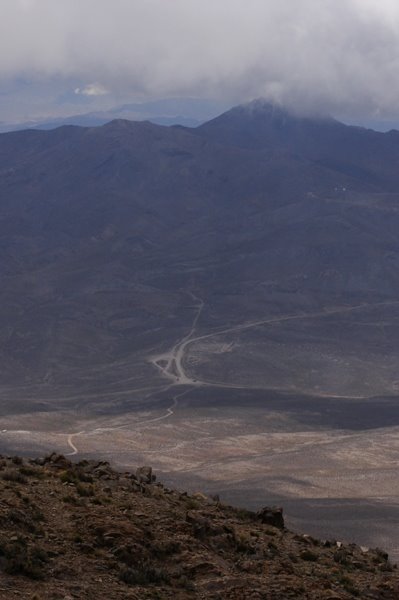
271	516
144	475
86	531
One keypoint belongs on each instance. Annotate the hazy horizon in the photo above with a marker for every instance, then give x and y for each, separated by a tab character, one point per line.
66	58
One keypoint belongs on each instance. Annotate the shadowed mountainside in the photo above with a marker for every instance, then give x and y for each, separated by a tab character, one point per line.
363	154
107	232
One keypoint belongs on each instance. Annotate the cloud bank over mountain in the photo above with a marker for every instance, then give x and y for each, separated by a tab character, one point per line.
342	55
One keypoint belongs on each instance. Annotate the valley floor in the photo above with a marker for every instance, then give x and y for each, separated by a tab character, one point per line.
330	459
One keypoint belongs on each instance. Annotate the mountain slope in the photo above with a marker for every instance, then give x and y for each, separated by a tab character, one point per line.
85	531
366	155
107	231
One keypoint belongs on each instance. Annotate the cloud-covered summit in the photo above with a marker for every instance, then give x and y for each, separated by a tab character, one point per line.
339	54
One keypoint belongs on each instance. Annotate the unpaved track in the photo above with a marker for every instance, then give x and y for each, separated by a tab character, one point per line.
171	364
71	444
99	430
173	369
178	351
169	411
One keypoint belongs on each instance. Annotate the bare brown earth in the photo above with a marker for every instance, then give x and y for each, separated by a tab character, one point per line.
85	531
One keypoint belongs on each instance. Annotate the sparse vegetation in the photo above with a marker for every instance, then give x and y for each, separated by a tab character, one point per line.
143	574
85	490
23	559
14	476
31	472
192	504
161	543
308	555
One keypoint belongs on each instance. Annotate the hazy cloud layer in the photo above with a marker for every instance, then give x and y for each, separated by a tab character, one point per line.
342	55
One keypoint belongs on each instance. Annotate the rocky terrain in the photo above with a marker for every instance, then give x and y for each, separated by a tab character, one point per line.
85	531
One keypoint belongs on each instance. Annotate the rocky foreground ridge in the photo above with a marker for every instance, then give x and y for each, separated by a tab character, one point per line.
85	531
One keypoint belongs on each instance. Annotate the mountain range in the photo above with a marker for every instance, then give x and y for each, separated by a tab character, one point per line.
190	112
106	231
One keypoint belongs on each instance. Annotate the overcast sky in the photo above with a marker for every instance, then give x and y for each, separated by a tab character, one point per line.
338	56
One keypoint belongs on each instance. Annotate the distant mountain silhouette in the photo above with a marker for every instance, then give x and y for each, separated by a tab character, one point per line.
189	112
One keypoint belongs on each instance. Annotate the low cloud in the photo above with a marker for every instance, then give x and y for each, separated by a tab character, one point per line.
92	89
341	56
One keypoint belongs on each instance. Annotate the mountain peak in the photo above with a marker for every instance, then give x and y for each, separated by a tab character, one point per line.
118	124
261	124
274	111
261	106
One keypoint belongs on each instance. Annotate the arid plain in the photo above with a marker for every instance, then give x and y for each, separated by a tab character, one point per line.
209	421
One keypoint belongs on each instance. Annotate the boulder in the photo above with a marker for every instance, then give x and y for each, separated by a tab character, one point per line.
271	516
144	475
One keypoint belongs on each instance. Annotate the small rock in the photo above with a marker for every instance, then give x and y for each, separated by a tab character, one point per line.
199	496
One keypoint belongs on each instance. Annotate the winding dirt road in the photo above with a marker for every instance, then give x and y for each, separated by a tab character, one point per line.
71	444
171	364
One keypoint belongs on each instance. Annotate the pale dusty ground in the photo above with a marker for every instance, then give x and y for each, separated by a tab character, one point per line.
252	457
